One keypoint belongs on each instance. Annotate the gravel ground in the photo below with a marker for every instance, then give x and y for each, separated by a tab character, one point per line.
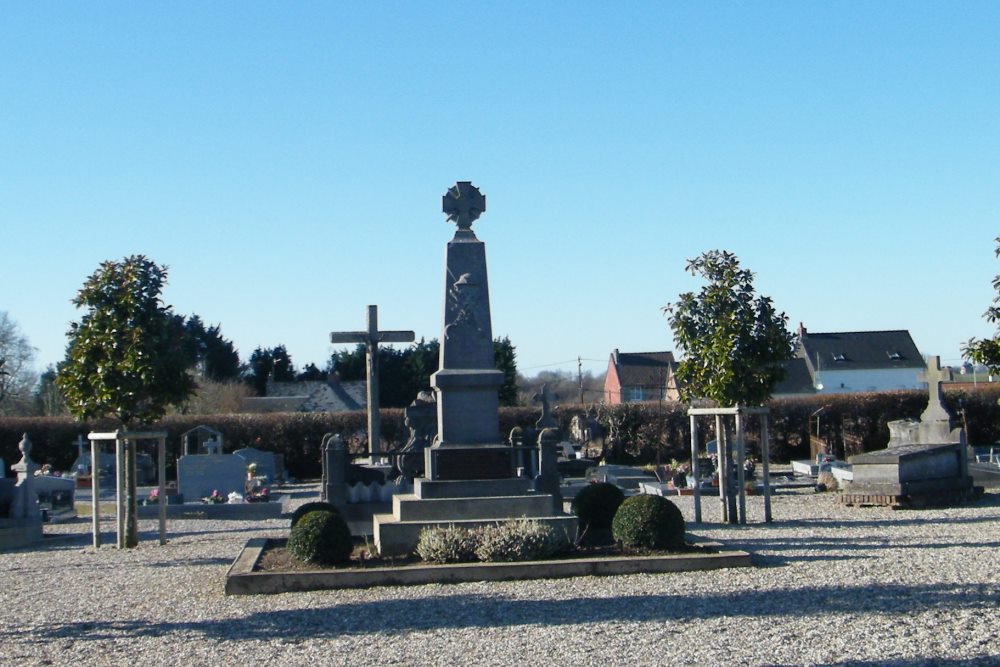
831	585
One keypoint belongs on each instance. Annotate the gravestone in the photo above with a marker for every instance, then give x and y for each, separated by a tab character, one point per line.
145	468
20	516
56	495
198	475
469	471
926	461
266	465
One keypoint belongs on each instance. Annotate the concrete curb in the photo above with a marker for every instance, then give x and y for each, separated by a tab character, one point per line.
243	580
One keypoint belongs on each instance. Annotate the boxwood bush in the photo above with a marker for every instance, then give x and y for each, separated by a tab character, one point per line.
595	505
321	537
302	510
649	521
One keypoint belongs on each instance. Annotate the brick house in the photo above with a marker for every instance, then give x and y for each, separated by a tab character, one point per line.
639	376
853	361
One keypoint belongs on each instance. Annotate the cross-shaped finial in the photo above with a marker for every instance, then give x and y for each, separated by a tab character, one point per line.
463	204
935	375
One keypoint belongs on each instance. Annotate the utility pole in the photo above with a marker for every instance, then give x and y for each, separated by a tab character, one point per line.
579	376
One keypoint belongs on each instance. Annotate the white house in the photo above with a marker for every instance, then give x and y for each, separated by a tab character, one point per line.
846	362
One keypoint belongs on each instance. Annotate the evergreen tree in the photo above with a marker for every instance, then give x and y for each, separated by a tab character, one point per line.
734	343
506	362
126	357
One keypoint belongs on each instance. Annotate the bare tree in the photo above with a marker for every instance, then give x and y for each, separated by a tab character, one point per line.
17	375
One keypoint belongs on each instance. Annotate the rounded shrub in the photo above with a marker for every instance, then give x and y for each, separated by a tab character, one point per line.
649	521
518	540
302	510
595	505
321	537
446	544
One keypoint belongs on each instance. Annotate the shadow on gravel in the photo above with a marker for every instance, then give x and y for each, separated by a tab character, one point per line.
915	662
192	561
391	617
820	549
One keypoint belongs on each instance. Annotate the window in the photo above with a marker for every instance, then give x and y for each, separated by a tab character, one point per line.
839	357
633	394
895	356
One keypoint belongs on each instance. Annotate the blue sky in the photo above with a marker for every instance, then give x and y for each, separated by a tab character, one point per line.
287	161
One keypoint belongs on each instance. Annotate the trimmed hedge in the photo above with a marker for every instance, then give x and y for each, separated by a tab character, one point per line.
855	422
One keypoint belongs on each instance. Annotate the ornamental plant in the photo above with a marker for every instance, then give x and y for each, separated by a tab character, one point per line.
735	344
321	537
649	521
125	357
447	544
304	509
595	506
515	540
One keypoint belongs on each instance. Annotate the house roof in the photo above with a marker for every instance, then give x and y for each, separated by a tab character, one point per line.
856	350
309	396
797	380
642	369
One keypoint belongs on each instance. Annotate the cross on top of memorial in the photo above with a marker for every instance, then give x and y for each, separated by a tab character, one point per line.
934	376
463	204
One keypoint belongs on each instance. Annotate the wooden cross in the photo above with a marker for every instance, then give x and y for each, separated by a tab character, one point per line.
934	376
371	338
545	397
463	204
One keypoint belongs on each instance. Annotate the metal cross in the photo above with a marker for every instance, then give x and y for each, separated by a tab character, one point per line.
463	204
371	338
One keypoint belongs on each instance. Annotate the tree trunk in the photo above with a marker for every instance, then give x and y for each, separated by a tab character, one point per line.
731	477
131	506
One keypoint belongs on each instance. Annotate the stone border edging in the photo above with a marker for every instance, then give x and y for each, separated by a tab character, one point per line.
241	579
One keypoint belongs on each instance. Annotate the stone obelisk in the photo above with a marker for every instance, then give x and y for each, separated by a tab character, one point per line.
468	444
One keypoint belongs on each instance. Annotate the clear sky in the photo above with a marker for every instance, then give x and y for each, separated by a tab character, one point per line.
287	161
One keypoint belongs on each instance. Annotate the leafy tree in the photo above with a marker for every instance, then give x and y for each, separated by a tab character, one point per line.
987	350
270	363
734	343
16	374
125	358
506	362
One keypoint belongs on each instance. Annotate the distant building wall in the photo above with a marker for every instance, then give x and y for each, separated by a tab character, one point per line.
884	379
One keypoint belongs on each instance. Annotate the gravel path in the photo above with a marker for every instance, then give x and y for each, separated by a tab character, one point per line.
832	585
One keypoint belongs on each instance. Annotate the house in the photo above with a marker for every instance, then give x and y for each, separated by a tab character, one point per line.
309	396
845	362
639	376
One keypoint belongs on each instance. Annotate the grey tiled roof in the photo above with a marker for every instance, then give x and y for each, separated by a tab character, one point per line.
797	380
309	396
856	350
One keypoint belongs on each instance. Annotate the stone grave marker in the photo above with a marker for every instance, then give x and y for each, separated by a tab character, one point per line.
200	474
266	465
926	461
